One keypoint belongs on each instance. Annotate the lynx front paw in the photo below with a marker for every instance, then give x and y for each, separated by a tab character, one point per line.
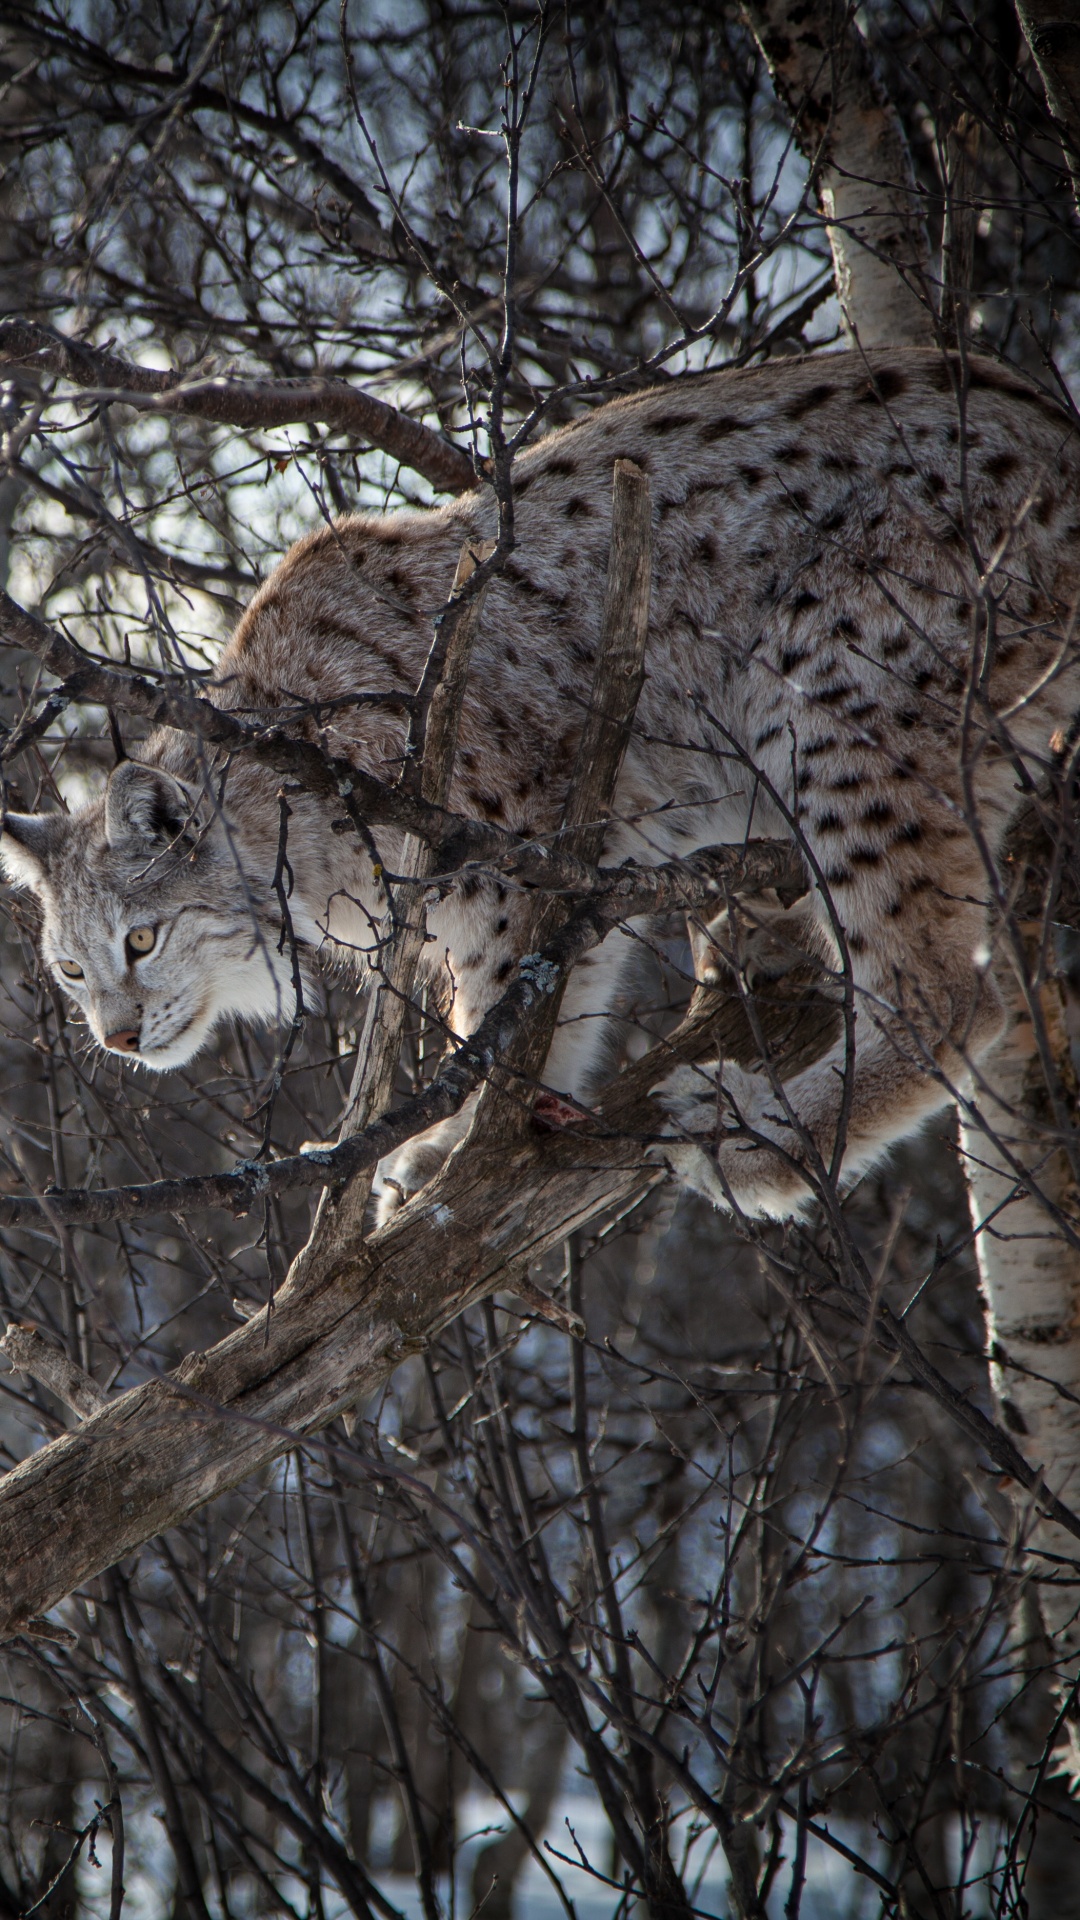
403	1173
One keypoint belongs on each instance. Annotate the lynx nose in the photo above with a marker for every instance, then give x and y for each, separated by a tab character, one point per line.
125	1041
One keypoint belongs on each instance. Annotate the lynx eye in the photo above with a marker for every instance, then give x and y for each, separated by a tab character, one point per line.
71	970
141	940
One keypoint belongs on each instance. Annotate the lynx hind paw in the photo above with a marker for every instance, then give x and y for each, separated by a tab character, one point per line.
727	1169
698	1102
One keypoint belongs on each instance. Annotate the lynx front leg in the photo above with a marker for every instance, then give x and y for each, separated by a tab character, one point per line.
574	1064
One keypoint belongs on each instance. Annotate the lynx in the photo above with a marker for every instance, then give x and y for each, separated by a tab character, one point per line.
865	576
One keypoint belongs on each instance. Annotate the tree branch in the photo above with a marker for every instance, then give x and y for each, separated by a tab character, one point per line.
236	401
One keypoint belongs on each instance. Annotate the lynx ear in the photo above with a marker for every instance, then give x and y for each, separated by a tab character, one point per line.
27	844
142	803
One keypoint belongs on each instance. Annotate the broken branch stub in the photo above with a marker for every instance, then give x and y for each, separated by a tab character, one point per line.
618	677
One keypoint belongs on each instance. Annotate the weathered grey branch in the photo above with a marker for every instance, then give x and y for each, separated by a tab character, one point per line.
29	1352
1052	31
851	135
618	677
428	771
240	401
157	1453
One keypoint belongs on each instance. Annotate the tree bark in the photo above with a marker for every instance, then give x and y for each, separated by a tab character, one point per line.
1052	31
851	135
1031	1278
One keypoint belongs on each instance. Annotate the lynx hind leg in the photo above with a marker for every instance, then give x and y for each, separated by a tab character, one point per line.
759	940
923	1014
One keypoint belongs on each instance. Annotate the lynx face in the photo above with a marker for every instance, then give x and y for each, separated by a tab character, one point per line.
148	922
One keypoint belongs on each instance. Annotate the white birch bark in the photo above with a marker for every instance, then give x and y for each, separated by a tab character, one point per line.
1031	1280
851	135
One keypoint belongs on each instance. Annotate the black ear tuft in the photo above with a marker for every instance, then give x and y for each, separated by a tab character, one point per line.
144	804
27	844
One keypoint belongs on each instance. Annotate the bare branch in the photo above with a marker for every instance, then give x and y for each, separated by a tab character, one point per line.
30	1353
237	401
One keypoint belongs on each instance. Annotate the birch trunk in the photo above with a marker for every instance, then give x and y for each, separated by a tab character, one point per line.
1052	31
1031	1278
851	135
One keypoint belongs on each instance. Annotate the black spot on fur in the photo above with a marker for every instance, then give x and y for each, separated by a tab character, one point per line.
750	476
724	424
792	657
504	969
670	422
577	508
805	403
562	465
831	823
792	453
770	733
887	384
878	811
1000	465
804	600
486	803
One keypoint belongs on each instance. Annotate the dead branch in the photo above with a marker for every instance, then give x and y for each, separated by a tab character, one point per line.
236	401
29	1353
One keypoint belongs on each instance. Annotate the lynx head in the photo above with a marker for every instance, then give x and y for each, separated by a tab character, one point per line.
148	921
